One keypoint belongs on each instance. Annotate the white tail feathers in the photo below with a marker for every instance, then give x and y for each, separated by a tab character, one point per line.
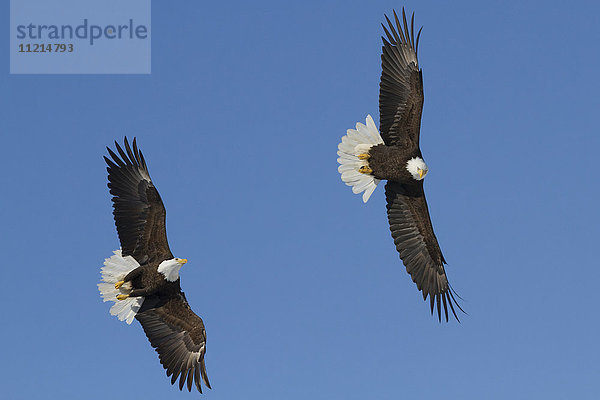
114	270
358	141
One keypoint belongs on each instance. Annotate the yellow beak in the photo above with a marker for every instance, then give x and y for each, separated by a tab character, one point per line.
422	173
182	261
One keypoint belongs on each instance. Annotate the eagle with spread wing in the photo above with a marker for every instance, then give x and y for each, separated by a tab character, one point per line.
142	278
368	156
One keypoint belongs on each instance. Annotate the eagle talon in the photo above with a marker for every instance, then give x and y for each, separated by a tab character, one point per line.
122	296
365	170
119	284
364	156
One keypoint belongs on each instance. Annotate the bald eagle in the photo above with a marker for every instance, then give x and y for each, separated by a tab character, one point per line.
142	278
367	157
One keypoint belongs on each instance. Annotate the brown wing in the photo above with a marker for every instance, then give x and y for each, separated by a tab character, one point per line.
418	247
401	86
179	338
138	209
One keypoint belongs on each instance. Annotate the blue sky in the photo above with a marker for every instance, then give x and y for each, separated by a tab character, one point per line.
298	282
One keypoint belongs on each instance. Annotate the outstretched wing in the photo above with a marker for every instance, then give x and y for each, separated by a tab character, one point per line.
138	209
401	86
179	338
418	247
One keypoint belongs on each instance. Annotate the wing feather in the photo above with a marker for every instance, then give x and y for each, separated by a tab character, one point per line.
419	250
178	336
139	212
401	85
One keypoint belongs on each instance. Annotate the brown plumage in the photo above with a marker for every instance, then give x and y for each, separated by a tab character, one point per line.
400	107
177	334
393	154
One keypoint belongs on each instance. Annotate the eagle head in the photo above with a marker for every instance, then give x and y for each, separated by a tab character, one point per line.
170	268
417	168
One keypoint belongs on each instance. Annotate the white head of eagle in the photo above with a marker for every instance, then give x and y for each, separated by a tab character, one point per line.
417	168
170	268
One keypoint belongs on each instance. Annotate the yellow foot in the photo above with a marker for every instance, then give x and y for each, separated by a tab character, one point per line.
364	156
122	296
365	170
119	284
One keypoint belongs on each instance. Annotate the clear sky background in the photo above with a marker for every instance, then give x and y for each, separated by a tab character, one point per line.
298	282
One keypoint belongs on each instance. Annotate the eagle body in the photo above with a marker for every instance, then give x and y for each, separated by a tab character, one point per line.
142	278
392	153
147	278
389	163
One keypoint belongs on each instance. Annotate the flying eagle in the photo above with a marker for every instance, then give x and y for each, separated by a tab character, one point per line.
367	157
142	278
